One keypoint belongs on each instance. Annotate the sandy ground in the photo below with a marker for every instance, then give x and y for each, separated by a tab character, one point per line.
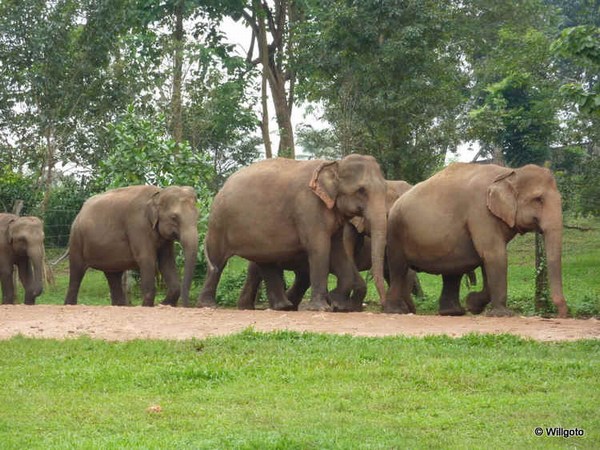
125	323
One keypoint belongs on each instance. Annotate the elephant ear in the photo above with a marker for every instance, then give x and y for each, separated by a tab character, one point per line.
358	222
502	198
9	230
152	210
324	182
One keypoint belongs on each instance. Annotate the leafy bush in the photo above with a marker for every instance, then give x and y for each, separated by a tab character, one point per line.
15	186
64	203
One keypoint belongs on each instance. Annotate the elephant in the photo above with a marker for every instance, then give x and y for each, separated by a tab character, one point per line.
353	240
286	210
462	218
135	228
21	245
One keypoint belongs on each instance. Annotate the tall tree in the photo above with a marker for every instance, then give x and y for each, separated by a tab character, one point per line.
274	38
389	75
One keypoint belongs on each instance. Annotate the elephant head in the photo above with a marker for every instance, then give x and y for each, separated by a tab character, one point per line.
173	213
356	187
26	238
527	199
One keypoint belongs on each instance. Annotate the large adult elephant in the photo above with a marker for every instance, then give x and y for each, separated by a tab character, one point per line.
135	228
462	218
21	245
354	240
281	210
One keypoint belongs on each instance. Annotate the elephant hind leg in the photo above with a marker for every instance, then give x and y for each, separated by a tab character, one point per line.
398	299
449	299
296	292
273	277
76	273
115	284
477	301
249	291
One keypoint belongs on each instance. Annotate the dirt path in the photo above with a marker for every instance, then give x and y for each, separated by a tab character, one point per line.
114	323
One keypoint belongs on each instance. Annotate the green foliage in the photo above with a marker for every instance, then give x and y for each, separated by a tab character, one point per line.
582	45
15	186
142	153
292	390
66	199
389	77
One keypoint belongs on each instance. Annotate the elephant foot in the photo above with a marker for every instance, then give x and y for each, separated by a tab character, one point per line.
395	308
206	303
167	302
318	305
70	302
341	303
245	306
476	303
284	305
29	302
499	311
563	311
460	311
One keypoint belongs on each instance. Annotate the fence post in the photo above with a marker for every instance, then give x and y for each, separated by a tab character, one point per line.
18	207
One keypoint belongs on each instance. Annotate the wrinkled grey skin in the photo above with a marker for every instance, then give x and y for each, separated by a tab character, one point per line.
135	228
354	240
286	210
21	245
462	218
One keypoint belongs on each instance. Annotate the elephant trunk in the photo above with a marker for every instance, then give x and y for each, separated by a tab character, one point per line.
189	242
553	244
377	218
36	282
551	225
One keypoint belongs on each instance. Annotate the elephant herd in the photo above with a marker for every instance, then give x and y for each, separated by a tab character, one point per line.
314	218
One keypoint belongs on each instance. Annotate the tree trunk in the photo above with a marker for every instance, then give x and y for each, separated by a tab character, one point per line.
176	108
270	57
17	207
264	125
541	276
49	162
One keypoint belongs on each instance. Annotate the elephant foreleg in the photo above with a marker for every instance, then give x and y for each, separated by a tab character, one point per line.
8	286
26	278
168	270
348	280
496	274
318	259
148	281
115	285
449	303
273	277
249	291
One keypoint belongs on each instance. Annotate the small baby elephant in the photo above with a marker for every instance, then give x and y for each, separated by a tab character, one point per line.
21	245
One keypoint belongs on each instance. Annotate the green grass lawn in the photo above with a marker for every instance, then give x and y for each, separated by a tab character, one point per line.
298	391
581	277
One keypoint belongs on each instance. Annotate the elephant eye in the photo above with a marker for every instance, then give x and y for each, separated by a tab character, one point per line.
362	190
539	199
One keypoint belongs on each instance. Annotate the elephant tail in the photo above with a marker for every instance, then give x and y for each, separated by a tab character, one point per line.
63	256
209	263
48	274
